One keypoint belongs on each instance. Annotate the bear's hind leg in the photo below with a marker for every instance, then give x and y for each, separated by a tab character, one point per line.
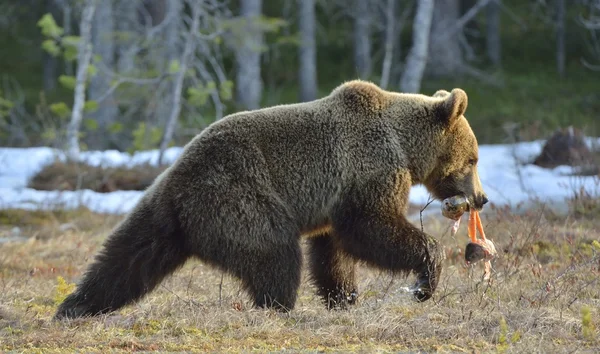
251	235
145	248
332	271
272	275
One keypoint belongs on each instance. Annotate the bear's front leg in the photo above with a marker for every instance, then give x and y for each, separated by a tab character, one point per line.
372	226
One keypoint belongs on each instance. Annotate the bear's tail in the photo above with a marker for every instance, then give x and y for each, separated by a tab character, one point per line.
146	247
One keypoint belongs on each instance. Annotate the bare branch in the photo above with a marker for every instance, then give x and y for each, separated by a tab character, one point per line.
468	16
190	47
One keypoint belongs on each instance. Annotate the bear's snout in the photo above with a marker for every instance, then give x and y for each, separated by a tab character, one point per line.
480	201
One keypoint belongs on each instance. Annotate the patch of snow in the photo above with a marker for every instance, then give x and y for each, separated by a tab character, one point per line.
505	176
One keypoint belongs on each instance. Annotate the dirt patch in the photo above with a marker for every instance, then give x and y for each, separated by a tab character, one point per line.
74	176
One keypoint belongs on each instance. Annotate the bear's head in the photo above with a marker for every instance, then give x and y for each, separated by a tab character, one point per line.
455	170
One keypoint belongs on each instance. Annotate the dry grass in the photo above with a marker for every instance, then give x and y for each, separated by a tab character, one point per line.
544	297
74	176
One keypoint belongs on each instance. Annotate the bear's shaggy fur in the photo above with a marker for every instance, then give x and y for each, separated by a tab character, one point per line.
337	169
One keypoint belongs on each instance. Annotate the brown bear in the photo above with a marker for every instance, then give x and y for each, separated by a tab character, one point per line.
337	170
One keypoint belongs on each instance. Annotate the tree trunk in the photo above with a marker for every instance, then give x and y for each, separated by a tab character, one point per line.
417	57
102	31
50	63
84	56
493	43
445	56
67	14
362	38
560	37
188	51
127	22
307	51
172	52
249	83
390	38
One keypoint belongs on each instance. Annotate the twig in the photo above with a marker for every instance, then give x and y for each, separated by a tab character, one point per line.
512	15
429	201
221	290
189	302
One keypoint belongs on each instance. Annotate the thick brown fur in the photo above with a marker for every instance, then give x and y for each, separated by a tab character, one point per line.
247	188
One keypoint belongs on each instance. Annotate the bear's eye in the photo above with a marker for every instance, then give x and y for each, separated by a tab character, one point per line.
472	162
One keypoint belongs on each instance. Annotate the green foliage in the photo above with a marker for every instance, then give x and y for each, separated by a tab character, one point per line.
198	96
173	66
92	70
502	340
50	46
90	124
49	26
49	134
115	128
293	39
532	94
240	27
145	137
70	54
587	326
90	106
5	106
62	290
271	24
60	109
226	90
67	81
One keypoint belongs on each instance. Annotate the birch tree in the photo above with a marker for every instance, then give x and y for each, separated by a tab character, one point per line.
493	43
103	48
190	47
307	51
560	37
362	38
249	85
84	57
417	57
591	22
199	65
390	38
446	56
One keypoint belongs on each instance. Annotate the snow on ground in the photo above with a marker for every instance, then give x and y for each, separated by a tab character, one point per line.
504	178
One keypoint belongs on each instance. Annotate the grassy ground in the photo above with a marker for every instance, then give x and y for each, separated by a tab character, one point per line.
544	296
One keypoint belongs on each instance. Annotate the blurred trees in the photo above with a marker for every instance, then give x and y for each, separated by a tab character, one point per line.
307	53
417	58
590	20
159	71
248	79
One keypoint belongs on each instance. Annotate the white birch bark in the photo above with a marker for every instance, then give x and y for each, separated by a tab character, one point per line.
84	56
417	57
307	51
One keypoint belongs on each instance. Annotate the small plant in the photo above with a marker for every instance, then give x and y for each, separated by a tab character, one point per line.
62	290
502	337
587	327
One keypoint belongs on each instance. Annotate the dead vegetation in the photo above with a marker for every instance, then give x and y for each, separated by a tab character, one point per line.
568	147
78	175
544	296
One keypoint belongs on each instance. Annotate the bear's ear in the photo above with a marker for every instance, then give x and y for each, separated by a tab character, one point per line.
441	93
453	106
